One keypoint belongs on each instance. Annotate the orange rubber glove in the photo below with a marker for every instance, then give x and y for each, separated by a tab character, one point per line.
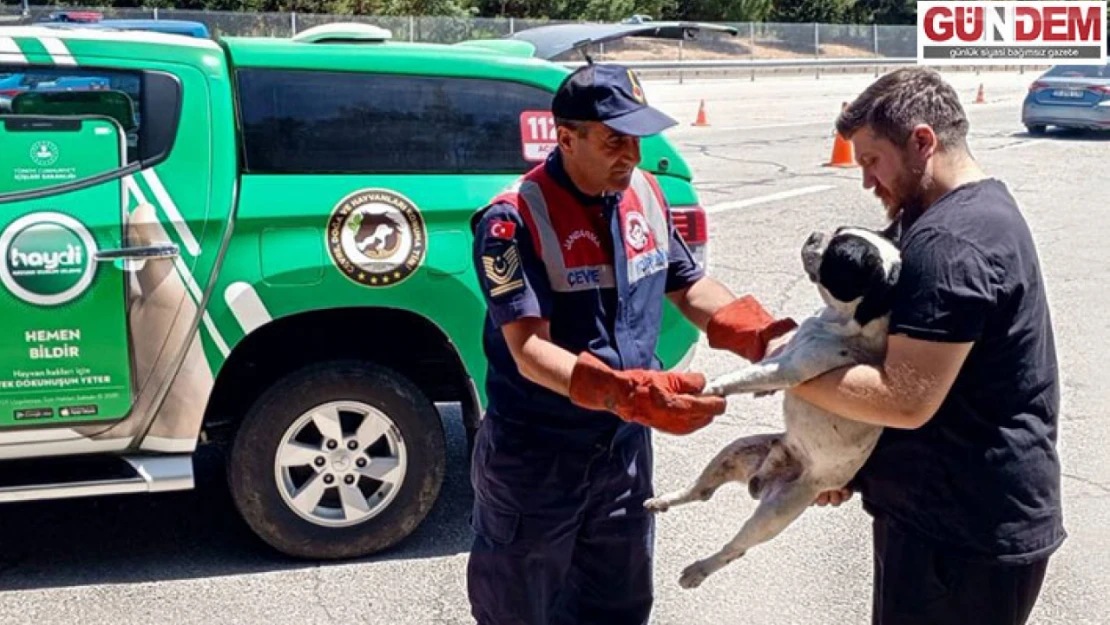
744	328
657	399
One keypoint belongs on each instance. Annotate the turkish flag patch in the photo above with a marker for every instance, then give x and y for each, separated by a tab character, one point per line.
499	229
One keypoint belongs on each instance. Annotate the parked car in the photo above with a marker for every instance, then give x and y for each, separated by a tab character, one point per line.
96	21
1069	96
281	265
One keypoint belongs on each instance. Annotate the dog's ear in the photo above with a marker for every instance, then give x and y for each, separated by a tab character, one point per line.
879	298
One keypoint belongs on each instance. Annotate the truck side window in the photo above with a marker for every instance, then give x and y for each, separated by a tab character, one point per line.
298	121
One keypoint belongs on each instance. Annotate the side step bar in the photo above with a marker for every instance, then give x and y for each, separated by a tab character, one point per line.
62	478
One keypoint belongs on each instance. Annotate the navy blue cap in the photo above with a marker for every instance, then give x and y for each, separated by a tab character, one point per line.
612	95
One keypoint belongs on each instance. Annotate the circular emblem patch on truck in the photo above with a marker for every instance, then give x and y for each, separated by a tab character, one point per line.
48	258
376	237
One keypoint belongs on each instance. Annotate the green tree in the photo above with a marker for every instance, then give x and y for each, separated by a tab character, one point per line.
611	10
513	8
825	11
424	7
726	10
884	12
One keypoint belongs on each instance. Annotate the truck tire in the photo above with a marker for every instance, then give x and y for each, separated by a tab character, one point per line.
337	460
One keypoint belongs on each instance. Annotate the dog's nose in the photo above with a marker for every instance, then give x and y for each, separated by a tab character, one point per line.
812	251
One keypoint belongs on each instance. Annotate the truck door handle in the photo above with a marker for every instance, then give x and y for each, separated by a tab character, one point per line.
150	252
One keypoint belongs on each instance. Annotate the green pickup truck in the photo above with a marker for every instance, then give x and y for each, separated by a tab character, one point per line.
264	244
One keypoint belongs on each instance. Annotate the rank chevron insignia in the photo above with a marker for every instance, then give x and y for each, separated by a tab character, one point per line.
503	271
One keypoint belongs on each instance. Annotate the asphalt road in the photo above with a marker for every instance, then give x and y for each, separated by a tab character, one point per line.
186	557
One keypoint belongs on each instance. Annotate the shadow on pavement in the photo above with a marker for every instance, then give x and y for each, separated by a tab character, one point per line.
1059	134
190	534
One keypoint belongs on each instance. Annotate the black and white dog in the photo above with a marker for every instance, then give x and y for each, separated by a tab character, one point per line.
855	271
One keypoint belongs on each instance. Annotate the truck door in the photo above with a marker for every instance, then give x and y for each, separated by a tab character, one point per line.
100	250
64	343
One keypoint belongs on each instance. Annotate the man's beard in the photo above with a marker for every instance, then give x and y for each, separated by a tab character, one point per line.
908	201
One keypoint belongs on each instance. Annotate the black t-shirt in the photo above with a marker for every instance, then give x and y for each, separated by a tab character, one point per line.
982	477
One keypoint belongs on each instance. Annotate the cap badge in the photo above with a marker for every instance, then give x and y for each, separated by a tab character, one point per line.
637	91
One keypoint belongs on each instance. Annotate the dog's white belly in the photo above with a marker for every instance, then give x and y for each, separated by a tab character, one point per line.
828	448
831	448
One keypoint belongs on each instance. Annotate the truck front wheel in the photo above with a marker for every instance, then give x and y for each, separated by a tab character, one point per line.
337	460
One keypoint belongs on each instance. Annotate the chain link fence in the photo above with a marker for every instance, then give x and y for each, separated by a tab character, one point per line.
760	40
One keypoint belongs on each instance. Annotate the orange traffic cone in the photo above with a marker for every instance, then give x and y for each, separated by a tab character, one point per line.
701	120
979	99
842	153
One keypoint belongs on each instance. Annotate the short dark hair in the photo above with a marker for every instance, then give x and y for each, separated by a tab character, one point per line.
579	128
902	99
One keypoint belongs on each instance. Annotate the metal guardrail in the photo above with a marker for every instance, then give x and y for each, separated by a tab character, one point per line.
731	67
753	63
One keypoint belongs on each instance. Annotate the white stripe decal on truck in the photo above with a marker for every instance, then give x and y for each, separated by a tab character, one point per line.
182	270
190	283
167	205
216	338
10	52
247	306
85	34
194	290
169	445
133	188
58	51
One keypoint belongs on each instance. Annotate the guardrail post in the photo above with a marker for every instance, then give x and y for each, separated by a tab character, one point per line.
751	32
412	28
293	22
875	36
155	13
680	60
817	46
512	25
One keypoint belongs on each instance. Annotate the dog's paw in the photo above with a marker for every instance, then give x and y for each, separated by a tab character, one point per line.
657	504
693	576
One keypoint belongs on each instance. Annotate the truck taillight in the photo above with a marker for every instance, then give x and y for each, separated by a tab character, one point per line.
691	223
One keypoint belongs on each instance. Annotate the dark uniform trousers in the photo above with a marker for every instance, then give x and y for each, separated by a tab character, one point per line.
567	540
918	584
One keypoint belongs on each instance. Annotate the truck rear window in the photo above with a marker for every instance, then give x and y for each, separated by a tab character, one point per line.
30	90
298	121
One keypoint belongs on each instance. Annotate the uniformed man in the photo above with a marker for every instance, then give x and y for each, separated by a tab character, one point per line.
575	263
964	484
